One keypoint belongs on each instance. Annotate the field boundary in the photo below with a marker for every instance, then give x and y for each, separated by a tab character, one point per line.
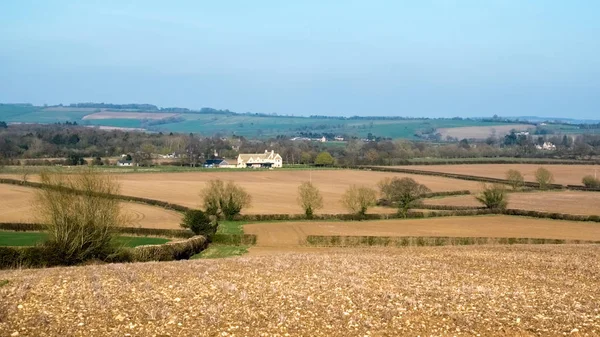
422	241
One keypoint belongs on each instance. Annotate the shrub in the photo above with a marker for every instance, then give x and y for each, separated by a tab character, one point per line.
515	179
80	225
544	177
591	182
493	197
404	192
224	200
324	159
309	198
358	199
199	223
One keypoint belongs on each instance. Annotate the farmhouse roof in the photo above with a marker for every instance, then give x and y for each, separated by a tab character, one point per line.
267	155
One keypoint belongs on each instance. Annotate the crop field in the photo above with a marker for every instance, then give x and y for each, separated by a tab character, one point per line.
272	191
17	206
563	174
289	235
570	202
482	132
127	115
486	290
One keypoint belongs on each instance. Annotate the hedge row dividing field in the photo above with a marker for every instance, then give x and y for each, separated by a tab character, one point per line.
421	241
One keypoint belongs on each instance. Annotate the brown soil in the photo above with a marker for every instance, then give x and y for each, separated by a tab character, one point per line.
481	132
570	202
17	206
563	174
427	291
289	235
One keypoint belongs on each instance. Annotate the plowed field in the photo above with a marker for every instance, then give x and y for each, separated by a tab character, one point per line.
570	202
17	206
563	174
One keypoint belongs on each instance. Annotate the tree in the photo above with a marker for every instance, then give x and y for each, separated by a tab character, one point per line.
3	125
544	177
357	199
324	159
404	192
591	182
493	197
199	223
309	198
80	225
515	179
224	200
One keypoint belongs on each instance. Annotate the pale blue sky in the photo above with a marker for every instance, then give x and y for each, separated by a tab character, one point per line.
406	58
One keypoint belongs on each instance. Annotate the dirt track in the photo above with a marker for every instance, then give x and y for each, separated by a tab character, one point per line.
570	202
17	206
292	235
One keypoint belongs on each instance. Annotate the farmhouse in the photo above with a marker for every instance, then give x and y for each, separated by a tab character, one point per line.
258	160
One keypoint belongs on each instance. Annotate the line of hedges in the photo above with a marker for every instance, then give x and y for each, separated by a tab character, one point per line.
583	188
501	161
445	194
40	256
556	216
234	239
169	233
128	198
450	175
408	241
449	207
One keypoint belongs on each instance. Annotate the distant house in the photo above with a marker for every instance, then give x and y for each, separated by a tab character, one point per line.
125	162
221	163
547	146
259	160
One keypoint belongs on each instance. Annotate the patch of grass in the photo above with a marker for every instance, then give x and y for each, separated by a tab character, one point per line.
231	227
32	238
221	251
3	283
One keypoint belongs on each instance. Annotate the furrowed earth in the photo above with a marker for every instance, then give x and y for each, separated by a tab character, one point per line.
427	291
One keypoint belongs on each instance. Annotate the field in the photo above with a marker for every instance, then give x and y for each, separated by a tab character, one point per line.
127	115
499	290
17	206
287	236
570	202
272	191
563	174
482	132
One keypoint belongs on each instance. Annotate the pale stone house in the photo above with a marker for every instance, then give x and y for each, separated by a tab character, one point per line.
259	160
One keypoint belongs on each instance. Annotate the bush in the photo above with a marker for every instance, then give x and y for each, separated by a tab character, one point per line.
199	223
404	192
166	252
515	179
358	199
309	198
493	197
591	182
224	200
80	225
544	178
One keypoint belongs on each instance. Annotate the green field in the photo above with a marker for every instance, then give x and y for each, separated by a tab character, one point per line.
32	238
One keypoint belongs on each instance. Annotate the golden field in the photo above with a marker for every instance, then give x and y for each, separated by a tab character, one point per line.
563	174
18	206
429	291
569	202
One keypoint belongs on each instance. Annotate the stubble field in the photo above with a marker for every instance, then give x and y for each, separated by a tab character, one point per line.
438	291
481	132
18	206
563	174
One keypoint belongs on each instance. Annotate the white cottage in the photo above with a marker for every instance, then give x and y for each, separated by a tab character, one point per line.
259	160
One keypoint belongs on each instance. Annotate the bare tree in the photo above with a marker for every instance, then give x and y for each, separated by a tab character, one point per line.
357	199
79	216
404	192
544	177
515	179
309	198
224	199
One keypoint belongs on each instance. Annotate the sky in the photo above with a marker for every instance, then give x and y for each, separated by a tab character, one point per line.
421	58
